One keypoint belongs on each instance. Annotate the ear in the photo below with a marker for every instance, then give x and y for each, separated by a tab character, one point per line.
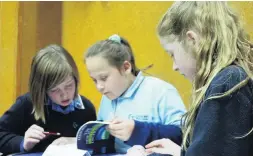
127	67
192	37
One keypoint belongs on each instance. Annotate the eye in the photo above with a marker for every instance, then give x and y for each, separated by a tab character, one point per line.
104	78
70	85
54	90
94	80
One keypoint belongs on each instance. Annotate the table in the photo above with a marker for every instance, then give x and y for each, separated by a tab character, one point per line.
40	154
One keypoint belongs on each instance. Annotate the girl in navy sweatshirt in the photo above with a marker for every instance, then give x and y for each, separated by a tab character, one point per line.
209	46
52	105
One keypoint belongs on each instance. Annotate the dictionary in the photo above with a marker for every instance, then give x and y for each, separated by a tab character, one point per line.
94	138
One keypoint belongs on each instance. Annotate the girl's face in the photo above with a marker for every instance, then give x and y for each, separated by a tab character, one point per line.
109	80
63	94
183	60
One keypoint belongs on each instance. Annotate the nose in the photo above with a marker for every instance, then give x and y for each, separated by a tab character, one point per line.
64	94
100	87
175	67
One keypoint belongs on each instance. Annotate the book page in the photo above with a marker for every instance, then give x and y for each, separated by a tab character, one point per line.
64	150
100	122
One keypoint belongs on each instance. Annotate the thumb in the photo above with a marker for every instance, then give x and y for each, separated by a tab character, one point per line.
116	120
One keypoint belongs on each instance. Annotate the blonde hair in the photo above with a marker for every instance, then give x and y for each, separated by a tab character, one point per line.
223	42
50	67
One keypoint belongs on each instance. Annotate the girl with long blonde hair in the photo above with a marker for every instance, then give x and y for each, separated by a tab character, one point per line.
209	46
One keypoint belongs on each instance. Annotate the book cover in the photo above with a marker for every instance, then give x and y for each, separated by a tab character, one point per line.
93	137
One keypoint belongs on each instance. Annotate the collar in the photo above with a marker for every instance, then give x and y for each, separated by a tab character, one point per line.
77	103
135	85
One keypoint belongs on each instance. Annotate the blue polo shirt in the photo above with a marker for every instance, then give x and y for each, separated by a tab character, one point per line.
148	100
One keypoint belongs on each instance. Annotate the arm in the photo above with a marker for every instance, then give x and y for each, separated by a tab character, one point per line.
12	127
144	133
171	109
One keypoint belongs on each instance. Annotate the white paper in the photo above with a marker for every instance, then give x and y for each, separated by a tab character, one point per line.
64	150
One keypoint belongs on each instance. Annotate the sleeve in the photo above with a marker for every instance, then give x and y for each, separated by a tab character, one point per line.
171	109
144	133
12	128
219	123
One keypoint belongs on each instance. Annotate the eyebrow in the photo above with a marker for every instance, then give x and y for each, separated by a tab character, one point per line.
69	81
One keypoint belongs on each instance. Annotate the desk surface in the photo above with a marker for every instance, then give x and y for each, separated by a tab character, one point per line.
40	154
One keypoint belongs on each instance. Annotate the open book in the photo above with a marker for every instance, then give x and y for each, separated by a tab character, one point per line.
92	138
65	150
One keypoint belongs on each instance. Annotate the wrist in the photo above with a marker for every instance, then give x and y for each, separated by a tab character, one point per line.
22	147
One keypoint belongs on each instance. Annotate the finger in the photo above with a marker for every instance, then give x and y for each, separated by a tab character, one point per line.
36	134
119	132
115	134
116	126
36	127
32	140
149	151
116	120
154	143
157	150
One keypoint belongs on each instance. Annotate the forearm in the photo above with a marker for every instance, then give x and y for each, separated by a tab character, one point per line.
144	133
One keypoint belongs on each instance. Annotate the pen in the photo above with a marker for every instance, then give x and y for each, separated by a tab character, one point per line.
51	133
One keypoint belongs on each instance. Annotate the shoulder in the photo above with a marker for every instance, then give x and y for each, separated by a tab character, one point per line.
87	103
226	79
233	74
23	101
22	107
156	83
157	87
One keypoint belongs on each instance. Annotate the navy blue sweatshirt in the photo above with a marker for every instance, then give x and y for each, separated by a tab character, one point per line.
220	121
15	122
145	133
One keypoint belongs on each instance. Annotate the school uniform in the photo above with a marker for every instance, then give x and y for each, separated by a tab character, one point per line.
153	104
66	121
220	121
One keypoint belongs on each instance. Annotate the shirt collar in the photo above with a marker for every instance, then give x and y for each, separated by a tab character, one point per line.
135	85
77	103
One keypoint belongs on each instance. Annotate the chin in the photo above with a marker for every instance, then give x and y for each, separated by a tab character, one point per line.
65	105
110	97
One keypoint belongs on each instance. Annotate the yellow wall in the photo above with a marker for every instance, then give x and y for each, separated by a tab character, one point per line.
245	10
84	23
8	53
87	22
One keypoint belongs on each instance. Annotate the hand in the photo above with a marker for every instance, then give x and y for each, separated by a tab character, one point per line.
64	141
33	136
136	150
121	129
163	146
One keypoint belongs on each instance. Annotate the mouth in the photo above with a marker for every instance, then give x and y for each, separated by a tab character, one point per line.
65	102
